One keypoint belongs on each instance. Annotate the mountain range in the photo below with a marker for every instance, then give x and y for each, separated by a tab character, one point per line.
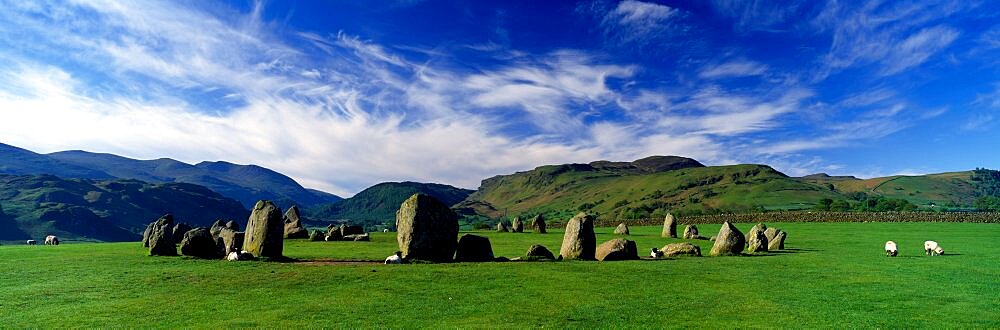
107	197
244	183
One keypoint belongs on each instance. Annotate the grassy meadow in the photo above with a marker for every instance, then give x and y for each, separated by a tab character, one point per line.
832	275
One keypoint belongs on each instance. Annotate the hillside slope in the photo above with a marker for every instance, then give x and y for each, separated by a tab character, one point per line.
952	188
562	190
378	204
245	183
17	161
105	210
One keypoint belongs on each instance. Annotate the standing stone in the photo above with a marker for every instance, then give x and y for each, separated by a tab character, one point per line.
179	230
333	233
538	224
770	232
622	229
669	227
426	229
778	243
691	232
579	240
317	236
517	226
346	230
199	243
161	239
756	240
617	249
265	231
229	241
473	248
730	241
676	249
538	252
502	227
146	233
216	227
293	224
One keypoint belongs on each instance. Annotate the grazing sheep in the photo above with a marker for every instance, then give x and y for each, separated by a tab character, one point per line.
655	253
32	242
385	230
932	248
890	249
51	240
395	259
239	256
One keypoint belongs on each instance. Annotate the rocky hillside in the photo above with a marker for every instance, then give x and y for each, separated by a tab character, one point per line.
103	210
378	204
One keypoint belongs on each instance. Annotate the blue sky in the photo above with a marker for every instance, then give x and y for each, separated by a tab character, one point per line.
341	95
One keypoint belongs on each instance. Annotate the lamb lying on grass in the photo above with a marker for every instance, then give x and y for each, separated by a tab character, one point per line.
239	256
932	248
890	249
395	259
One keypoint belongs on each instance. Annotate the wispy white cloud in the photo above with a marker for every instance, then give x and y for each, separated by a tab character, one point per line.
741	68
637	21
917	48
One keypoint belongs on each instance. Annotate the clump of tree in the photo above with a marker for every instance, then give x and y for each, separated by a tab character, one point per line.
865	204
987	204
986	183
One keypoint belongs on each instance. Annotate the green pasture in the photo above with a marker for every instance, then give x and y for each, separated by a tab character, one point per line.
831	275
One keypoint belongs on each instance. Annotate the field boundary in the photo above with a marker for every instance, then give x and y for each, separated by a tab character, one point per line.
805	216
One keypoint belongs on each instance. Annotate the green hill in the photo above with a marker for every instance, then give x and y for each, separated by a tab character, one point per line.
377	205
559	191
103	210
953	188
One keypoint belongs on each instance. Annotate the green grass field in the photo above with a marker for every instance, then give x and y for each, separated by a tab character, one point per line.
832	275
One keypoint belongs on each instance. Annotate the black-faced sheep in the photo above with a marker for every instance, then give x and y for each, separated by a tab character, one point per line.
51	240
655	253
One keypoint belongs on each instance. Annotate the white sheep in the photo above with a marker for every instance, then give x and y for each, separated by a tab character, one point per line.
32	242
239	256
385	230
932	248
890	249
655	253
395	258
51	240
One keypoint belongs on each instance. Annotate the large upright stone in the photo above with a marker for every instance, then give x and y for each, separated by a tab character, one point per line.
516	225
216	227
756	239
691	232
229	241
474	248
178	232
265	231
146	233
730	241
199	243
622	229
346	230
502	227
293	224
426	229
778	243
617	249
333	233
538	224
579	240
669	227
161	237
